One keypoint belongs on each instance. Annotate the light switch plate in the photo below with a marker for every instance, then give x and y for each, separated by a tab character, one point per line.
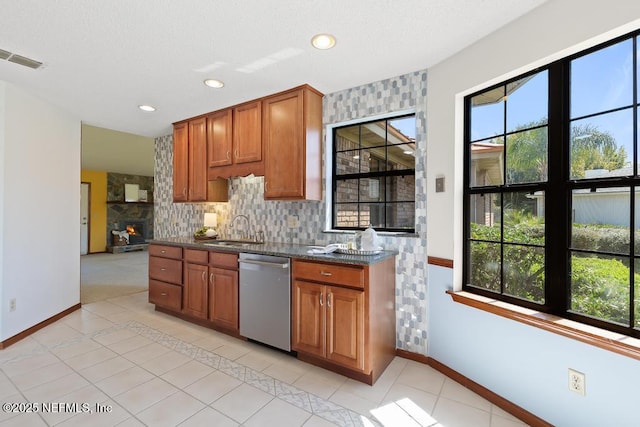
439	184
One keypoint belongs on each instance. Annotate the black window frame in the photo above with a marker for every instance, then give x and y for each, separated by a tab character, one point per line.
558	190
335	178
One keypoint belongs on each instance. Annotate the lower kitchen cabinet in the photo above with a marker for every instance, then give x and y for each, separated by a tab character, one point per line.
196	290
223	297
308	318
344	316
198	285
165	277
165	295
345	321
328	322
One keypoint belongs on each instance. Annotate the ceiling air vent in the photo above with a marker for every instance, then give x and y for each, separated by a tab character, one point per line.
19	59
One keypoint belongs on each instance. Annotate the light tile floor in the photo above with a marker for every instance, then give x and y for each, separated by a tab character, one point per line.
142	367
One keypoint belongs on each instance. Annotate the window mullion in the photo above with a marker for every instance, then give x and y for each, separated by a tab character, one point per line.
632	223
557	218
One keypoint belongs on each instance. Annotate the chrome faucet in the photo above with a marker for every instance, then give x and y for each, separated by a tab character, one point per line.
246	234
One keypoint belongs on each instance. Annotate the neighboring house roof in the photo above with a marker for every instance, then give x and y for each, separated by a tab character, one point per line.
487	156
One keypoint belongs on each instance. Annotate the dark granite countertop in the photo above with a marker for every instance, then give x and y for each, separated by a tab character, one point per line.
277	249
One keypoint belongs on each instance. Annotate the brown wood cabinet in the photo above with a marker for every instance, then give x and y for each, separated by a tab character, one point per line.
344	316
197	160
219	138
292	129
165	276
189	161
180	162
196	290
223	290
247	132
190	178
208	289
235	141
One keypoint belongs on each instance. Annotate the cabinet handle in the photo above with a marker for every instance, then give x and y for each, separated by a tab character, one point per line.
163	294
163	251
184	192
329	300
204	276
326	273
235	153
320	299
163	269
211	278
266	185
228	156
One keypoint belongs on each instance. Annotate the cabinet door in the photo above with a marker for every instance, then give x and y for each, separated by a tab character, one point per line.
223	297
180	162
219	138
284	139
195	290
165	295
247	133
345	322
308	317
198	160
165	269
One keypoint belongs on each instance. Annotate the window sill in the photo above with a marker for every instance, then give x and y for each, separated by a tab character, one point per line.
617	343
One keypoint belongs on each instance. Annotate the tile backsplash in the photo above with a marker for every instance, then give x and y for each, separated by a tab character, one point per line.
246	196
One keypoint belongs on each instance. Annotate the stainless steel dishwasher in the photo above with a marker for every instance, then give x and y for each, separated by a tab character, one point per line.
265	299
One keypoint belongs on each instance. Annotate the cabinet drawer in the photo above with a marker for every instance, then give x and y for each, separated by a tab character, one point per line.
165	295
196	256
165	269
224	260
165	251
339	274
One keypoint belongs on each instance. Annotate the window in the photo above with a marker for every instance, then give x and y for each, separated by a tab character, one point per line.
374	175
552	188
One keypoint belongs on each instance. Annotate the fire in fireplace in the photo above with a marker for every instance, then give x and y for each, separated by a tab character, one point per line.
135	229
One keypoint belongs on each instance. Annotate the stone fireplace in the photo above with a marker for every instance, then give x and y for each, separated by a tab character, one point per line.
134	218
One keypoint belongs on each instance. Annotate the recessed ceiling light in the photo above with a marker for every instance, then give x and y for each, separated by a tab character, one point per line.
147	108
323	41
214	83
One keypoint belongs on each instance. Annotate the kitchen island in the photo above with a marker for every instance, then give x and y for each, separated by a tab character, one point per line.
342	306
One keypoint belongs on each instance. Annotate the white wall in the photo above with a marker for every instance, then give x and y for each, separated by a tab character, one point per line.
526	365
39	223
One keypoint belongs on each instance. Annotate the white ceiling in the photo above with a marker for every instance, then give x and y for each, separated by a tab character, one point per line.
104	58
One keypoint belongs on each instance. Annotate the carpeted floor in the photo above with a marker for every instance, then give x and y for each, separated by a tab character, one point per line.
104	276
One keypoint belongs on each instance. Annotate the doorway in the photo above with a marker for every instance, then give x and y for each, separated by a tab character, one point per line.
85	199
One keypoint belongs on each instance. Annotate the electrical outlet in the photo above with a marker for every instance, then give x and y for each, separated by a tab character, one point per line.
12	304
292	221
576	382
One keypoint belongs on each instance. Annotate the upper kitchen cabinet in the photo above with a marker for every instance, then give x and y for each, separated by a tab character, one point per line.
180	162
219	138
292	129
247	133
190	182
234	140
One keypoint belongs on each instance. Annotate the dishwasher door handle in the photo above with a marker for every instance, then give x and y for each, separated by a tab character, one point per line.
265	263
